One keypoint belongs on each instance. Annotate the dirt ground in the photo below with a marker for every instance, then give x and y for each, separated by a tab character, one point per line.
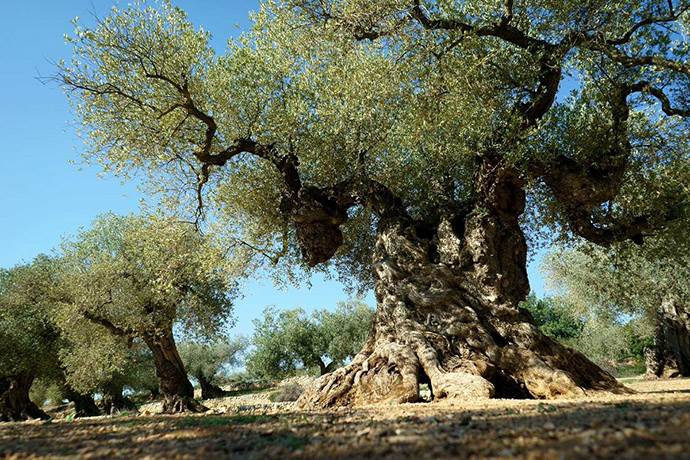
655	423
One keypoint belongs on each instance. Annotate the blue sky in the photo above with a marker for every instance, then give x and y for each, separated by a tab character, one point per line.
42	195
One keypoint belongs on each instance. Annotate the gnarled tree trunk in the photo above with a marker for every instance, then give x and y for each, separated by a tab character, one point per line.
676	323
174	385
447	315
15	404
670	355
209	390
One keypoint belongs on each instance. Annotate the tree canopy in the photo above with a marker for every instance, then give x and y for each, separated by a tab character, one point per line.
288	340
343	97
140	276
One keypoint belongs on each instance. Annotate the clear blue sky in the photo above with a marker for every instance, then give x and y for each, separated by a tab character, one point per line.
42	195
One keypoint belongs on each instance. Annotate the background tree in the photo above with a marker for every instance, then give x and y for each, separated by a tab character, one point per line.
98	361
28	341
206	361
288	340
138	277
649	282
554	317
405	141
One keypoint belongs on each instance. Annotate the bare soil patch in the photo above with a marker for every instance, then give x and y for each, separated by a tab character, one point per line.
655	423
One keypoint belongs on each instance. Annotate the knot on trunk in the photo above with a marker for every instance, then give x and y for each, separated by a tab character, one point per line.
317	221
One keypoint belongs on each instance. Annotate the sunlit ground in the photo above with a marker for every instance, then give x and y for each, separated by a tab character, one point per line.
655	423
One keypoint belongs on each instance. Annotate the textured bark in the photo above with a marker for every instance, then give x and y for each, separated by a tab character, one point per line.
209	390
15	404
448	315
670	355
174	385
676	322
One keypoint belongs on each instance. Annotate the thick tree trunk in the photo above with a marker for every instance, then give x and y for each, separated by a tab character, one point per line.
676	323
114	401
174	385
15	404
448	315
655	356
208	389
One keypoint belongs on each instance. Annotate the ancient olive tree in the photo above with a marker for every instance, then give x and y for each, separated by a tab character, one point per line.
205	361
649	282
288	340
138	277
405	141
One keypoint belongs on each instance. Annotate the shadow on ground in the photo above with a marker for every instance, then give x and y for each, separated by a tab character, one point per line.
651	426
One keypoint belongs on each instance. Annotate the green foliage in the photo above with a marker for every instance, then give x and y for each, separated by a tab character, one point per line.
139	276
553	317
29	342
288	340
411	109
625	281
210	360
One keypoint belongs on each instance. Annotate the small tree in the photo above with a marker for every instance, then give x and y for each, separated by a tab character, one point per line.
206	361
140	276
288	340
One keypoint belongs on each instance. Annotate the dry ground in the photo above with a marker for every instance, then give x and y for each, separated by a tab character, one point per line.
655	423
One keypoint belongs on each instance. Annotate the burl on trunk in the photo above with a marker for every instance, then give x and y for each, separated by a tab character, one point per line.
447	291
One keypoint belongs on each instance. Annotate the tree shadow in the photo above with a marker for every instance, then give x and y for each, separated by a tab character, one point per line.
621	428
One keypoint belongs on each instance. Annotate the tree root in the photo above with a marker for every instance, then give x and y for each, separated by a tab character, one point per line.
180	404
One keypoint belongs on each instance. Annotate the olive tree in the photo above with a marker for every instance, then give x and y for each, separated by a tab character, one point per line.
139	277
205	361
650	282
287	340
404	142
27	338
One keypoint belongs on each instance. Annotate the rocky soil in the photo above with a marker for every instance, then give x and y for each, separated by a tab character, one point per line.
655	423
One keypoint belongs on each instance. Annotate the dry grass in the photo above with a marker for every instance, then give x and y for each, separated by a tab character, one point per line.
655	423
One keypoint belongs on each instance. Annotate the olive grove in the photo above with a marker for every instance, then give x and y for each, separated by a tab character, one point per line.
413	145
288	340
649	283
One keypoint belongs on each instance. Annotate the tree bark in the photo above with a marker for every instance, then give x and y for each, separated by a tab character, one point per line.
447	291
209	390
675	321
174	385
15	404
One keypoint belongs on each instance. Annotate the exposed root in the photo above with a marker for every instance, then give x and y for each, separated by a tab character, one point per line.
179	404
392	373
